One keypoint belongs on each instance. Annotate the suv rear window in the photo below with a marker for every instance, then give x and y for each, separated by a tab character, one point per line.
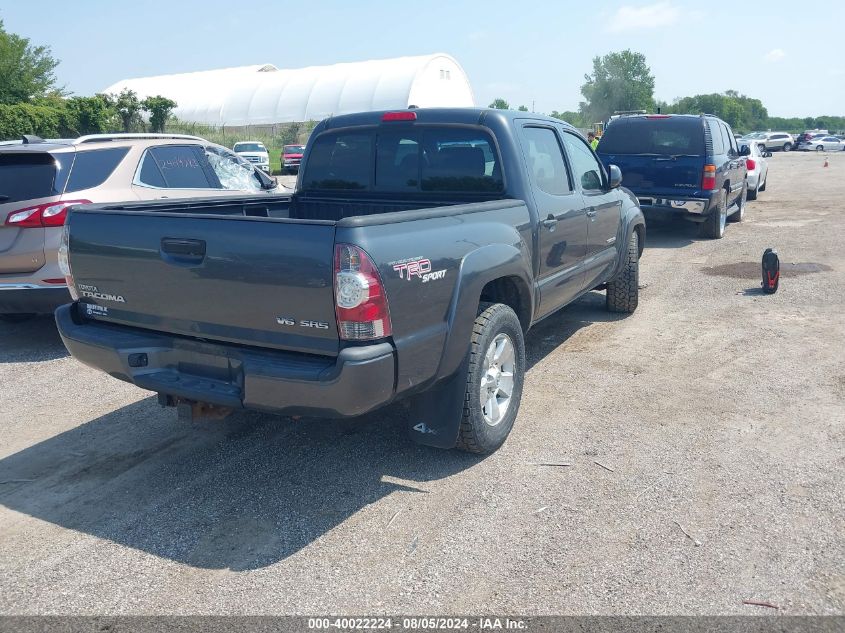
663	137
92	168
405	159
28	175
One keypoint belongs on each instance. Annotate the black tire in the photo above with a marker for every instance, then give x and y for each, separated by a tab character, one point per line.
623	292
739	214
16	318
477	435
762	187
787	147
712	227
819	148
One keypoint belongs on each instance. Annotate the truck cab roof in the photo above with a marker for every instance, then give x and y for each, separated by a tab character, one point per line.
465	116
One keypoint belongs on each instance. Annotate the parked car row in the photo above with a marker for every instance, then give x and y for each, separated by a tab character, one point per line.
815	140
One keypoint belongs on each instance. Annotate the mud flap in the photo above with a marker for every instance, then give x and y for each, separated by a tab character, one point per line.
435	414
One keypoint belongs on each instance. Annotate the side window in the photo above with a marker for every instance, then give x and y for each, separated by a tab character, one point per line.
92	168
545	160
730	141
231	170
716	136
585	167
177	167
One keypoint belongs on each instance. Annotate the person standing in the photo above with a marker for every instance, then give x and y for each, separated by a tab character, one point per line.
592	140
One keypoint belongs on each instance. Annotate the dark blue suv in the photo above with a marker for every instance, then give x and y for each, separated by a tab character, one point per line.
680	165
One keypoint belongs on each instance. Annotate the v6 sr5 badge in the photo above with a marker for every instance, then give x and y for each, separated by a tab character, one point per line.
417	268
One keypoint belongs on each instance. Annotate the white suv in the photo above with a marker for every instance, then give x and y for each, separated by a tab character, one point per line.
255	153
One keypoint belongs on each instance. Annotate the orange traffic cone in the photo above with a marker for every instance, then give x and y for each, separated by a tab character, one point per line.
825	162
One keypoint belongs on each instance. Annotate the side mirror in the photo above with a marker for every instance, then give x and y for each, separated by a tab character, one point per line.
615	175
266	181
745	151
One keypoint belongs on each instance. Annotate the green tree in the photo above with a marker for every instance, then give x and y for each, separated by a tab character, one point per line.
88	115
522	108
619	81
573	118
26	71
740	112
500	104
128	109
159	108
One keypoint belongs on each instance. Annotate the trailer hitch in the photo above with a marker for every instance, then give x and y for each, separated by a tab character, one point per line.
192	410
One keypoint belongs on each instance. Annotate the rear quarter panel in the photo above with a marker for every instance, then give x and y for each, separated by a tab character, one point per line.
433	271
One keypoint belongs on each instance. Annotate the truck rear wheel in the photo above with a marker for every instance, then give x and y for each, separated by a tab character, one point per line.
494	379
623	293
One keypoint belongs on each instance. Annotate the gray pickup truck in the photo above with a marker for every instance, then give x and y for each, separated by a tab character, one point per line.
417	250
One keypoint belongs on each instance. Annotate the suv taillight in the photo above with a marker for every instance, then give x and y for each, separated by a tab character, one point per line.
360	299
750	164
50	214
708	178
64	264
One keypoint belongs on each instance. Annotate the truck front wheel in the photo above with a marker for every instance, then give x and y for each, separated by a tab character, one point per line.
494	379
623	293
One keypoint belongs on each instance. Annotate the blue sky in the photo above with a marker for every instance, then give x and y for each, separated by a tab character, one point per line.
790	55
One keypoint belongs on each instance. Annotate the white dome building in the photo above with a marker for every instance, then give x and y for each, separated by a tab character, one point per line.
264	94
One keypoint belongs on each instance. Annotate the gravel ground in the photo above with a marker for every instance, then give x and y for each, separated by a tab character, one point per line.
703	437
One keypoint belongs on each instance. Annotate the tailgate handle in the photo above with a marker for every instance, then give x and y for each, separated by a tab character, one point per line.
182	251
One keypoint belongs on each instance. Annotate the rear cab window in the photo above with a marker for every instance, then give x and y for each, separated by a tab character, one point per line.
405	159
31	175
671	136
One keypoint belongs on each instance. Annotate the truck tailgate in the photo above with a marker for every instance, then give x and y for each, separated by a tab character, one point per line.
253	281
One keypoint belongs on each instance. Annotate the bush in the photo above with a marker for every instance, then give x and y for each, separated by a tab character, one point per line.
24	118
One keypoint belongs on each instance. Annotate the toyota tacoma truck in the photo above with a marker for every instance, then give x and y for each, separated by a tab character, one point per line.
417	250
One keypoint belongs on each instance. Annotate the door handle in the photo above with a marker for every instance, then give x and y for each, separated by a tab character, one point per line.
550	222
591	212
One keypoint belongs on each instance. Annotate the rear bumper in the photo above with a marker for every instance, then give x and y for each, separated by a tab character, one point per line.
693	208
359	380
30	298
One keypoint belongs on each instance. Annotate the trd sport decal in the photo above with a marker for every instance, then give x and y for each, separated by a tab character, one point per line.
418	267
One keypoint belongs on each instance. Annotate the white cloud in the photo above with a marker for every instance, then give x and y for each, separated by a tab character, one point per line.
774	55
649	16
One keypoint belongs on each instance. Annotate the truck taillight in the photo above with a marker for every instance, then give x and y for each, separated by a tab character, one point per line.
64	264
708	178
43	215
360	299
750	164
